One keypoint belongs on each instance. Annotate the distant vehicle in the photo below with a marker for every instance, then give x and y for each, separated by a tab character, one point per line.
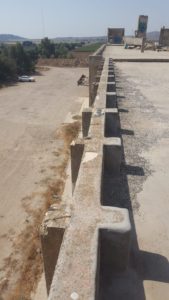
25	78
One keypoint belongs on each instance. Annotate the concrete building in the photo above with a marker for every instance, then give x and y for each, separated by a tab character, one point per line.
116	35
164	37
142	27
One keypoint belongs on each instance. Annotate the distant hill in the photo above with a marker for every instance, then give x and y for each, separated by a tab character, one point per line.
11	38
153	36
14	38
89	39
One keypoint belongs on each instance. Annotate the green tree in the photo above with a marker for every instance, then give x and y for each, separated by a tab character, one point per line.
25	59
46	48
8	69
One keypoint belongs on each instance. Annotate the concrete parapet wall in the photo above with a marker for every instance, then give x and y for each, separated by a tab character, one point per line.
90	231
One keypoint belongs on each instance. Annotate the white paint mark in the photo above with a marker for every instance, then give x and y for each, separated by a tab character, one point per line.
74	296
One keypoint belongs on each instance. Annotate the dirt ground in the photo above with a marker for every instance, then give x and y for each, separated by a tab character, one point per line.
30	115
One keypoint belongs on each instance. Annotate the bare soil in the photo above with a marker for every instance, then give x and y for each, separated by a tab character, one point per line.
33	157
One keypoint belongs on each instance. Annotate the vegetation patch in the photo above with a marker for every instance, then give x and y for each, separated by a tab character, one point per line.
90	47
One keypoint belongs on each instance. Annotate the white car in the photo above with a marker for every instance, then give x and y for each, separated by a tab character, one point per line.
25	78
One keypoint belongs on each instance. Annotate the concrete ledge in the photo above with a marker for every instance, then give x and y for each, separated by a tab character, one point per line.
146	60
94	232
77	265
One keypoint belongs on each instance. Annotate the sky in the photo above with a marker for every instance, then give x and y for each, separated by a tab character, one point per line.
65	18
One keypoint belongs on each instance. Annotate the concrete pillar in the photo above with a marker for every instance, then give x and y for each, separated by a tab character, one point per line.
86	118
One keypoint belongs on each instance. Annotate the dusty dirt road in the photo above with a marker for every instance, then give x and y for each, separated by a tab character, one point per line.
30	114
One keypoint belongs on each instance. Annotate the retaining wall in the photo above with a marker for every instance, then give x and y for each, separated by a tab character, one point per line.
84	234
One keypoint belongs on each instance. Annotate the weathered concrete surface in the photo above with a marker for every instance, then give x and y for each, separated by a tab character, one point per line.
115	35
140	187
143	101
142	26
164	37
134	41
118	52
78	264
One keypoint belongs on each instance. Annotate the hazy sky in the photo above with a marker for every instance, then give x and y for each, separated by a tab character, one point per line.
54	18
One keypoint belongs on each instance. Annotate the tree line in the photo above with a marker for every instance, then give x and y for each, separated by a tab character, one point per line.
21	59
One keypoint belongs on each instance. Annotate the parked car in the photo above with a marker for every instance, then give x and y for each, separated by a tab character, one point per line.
25	78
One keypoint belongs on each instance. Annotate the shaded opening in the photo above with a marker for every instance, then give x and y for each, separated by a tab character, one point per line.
110	72
112	124
111	101
111	78
112	156
120	273
112	258
111	87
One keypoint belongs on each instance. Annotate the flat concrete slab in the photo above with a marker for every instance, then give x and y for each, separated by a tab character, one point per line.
118	52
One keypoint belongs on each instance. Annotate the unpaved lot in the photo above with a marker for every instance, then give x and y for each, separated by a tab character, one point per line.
30	115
